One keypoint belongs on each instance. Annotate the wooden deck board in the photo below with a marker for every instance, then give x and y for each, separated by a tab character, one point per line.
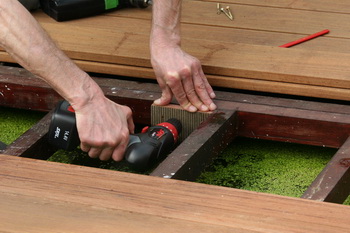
241	54
338	6
57	196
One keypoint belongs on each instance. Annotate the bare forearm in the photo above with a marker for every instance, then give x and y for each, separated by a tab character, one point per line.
166	21
103	125
178	73
24	39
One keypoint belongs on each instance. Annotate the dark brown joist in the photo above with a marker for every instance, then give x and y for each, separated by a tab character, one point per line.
200	148
333	183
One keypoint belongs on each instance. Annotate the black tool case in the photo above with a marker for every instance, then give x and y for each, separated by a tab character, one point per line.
62	10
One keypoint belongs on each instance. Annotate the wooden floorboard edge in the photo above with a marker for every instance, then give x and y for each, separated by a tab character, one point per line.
324	92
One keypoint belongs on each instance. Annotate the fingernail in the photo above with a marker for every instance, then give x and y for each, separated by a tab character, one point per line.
157	102
212	107
212	95
192	108
204	108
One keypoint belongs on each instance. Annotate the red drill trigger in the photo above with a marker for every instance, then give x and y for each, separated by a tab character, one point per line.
145	129
70	108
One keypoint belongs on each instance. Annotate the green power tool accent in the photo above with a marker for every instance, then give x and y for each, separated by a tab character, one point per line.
62	10
110	4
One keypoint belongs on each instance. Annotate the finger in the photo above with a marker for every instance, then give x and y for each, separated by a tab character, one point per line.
166	97
202	91
130	122
177	87
131	125
192	89
207	84
84	147
118	153
94	152
106	154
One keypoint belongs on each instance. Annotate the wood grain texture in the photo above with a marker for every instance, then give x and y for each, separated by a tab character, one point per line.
338	6
241	54
67	198
333	183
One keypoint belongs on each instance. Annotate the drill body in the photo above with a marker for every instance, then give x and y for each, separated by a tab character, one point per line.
62	10
144	149
150	146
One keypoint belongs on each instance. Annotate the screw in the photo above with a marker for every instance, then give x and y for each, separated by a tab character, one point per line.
227	12
218	9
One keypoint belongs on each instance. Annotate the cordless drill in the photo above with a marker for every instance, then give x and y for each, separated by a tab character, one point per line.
144	149
62	10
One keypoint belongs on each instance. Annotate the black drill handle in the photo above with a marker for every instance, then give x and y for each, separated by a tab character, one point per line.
143	150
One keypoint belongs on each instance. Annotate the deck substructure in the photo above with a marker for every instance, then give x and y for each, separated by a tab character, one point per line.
280	119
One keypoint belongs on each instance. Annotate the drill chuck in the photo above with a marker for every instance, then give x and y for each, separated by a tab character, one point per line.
152	144
143	151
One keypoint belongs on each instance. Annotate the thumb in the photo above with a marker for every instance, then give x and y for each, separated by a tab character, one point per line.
166	98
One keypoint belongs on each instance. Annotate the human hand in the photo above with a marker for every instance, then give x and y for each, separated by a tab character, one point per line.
180	74
104	128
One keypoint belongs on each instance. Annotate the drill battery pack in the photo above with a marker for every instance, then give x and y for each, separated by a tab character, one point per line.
62	10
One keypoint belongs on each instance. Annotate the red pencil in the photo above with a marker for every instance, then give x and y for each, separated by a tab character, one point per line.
304	39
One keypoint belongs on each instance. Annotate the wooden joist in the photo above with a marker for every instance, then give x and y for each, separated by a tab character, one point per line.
40	196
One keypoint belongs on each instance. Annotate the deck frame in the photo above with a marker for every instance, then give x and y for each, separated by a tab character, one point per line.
272	118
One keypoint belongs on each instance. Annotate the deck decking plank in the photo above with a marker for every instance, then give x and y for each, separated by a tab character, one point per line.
255	17
200	32
129	197
262	66
225	59
337	6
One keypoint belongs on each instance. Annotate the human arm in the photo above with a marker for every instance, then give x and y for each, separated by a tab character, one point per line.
103	126
177	72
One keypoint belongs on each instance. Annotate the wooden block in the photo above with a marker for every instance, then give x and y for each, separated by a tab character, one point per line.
190	121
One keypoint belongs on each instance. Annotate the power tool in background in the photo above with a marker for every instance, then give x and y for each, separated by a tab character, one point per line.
62	10
143	150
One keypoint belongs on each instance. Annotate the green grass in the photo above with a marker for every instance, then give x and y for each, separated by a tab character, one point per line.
14	122
267	166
